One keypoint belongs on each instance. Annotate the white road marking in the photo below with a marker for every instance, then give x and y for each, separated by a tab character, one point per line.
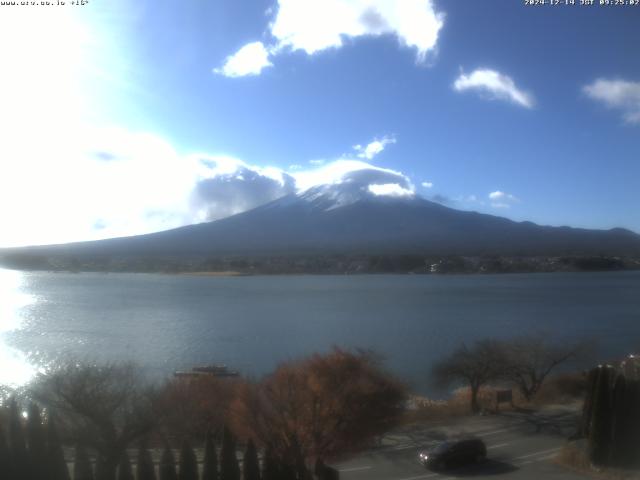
498	446
486	434
403	447
355	469
547	457
537	453
420	477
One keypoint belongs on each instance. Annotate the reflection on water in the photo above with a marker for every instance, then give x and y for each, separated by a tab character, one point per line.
173	322
15	369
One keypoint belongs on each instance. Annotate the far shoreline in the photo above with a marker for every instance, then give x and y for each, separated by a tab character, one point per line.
328	264
236	274
224	273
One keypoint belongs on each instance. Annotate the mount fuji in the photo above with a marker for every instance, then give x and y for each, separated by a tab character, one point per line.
358	215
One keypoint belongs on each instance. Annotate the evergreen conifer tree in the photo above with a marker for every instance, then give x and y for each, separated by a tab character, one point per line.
168	465
17	446
229	469
56	462
188	462
106	468
633	389
250	464
125	472
270	469
36	442
210	466
6	463
82	469
619	421
587	407
145	469
103	469
600	430
318	467
287	471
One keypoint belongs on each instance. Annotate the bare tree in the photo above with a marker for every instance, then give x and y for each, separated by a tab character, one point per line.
476	367
531	358
103	407
320	407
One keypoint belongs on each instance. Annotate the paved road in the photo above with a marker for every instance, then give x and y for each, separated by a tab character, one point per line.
520	446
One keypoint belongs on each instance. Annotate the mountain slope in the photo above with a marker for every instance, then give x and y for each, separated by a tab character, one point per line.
349	218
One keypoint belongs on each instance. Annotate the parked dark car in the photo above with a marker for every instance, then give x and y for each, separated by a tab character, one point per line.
454	453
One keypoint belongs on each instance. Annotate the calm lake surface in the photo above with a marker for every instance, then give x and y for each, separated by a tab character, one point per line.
170	322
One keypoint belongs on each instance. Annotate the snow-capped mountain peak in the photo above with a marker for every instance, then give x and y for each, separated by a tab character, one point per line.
369	184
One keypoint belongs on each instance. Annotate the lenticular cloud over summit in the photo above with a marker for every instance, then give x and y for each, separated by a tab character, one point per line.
349	171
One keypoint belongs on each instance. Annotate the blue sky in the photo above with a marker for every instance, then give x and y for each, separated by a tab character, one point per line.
126	117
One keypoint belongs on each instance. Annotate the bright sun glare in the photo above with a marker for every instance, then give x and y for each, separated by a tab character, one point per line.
14	367
44	53
44	96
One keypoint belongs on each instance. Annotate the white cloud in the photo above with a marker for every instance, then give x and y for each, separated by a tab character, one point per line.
105	182
249	60
427	184
466	201
374	148
494	85
391	190
342	170
501	199
316	25
343	182
498	195
316	162
617	94
113	182
225	186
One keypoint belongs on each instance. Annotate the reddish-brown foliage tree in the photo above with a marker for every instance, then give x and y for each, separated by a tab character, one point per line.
194	406
323	406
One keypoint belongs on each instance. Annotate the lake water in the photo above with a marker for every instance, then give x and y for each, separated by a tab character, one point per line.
170	322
